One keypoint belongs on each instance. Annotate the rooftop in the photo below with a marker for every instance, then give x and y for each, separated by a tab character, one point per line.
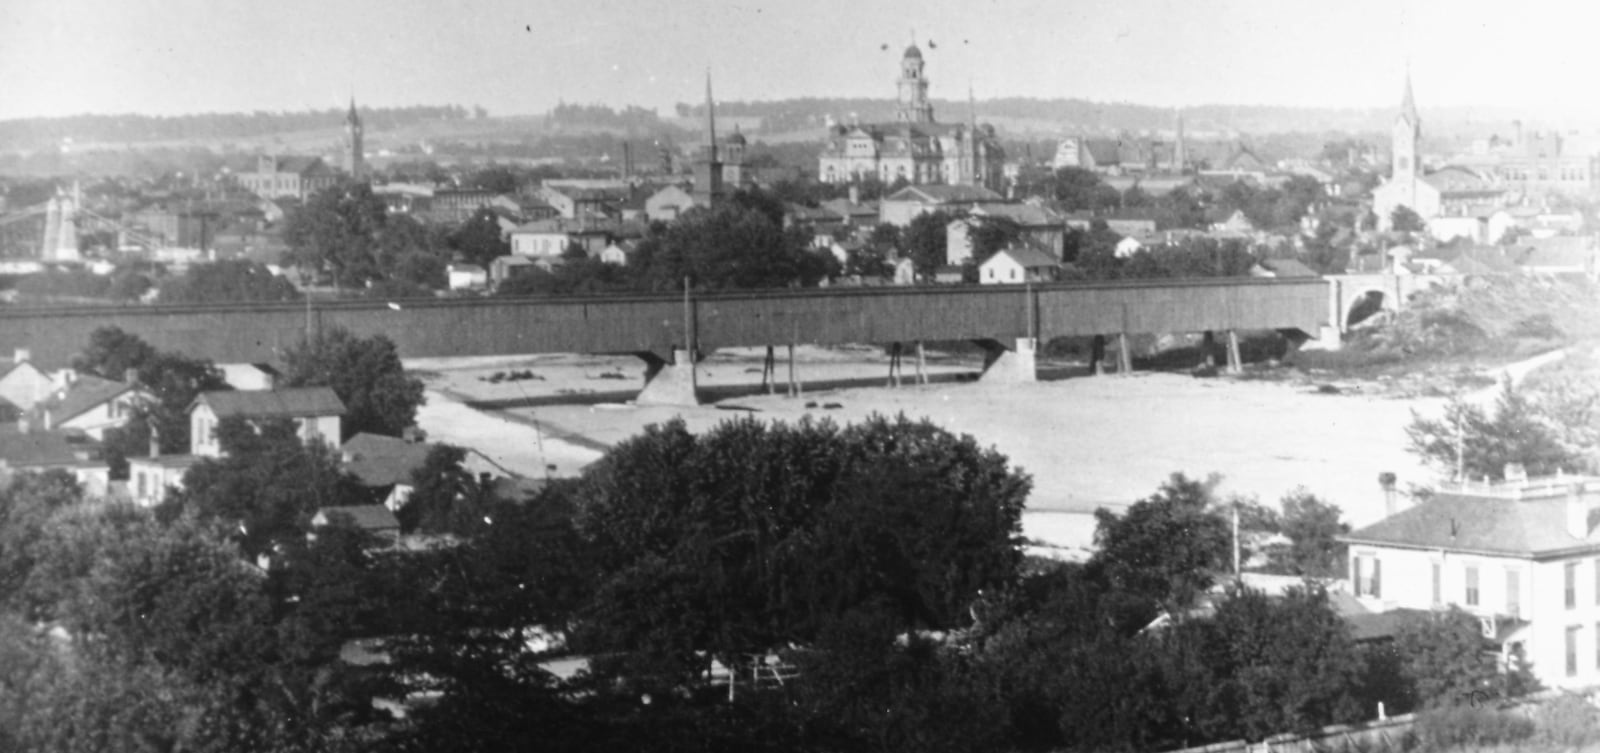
936	194
366	517
297	402
377	460
36	449
1526	519
85	393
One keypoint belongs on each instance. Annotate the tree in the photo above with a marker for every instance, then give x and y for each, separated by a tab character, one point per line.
1289	664
479	239
27	505
926	241
1312	525
445	498
1446	659
990	234
1166	547
1519	432
221	661
1404	219
337	233
268	484
885	238
111	353
753	536
367	375
1079	189
728	247
228	282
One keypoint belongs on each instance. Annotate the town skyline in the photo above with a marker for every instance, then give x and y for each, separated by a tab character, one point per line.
516	58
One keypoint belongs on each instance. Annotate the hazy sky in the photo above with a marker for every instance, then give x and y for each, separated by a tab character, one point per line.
522	56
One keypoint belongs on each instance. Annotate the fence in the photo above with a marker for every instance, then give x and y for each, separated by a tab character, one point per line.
1378	735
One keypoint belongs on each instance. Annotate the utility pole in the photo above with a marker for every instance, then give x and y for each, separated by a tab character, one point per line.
1236	573
1461	450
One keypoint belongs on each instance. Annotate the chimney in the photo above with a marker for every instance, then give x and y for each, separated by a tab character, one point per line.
1577	512
21	356
155	441
1386	480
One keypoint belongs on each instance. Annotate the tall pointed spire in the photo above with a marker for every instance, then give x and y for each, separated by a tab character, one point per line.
1408	104
1180	152
711	118
708	169
972	107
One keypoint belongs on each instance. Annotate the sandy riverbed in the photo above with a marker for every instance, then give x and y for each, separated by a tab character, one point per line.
1088	442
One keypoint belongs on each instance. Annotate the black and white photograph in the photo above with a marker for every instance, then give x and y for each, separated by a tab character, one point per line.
759	376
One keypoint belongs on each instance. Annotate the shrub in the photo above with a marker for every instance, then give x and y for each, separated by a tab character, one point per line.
1567	721
1537	327
1452	727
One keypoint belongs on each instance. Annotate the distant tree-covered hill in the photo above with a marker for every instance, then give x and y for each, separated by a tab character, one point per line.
1074	115
40	133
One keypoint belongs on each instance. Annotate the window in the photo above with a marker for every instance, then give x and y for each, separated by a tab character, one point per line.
1597	582
1513	592
1597	645
1472	585
1368	576
1438	592
1570	578
1572	650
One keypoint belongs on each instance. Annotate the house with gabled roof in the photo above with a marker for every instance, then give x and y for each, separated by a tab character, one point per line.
385	465
23	384
26	449
668	204
1523	555
316	412
89	404
906	204
1019	263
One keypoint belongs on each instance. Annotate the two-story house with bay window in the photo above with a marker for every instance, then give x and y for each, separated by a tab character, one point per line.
1523	555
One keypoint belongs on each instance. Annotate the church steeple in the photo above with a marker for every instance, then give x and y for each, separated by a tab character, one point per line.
355	161
708	169
1404	138
1180	153
1408	106
711	119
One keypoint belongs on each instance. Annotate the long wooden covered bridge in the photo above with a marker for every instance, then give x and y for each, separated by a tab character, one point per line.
662	328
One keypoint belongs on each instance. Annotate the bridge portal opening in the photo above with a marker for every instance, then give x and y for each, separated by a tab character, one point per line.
1367	306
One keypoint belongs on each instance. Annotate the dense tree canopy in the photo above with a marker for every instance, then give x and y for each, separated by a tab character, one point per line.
728	246
269	484
228	281
366	373
1165	547
926	241
479	240
336	233
777	531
